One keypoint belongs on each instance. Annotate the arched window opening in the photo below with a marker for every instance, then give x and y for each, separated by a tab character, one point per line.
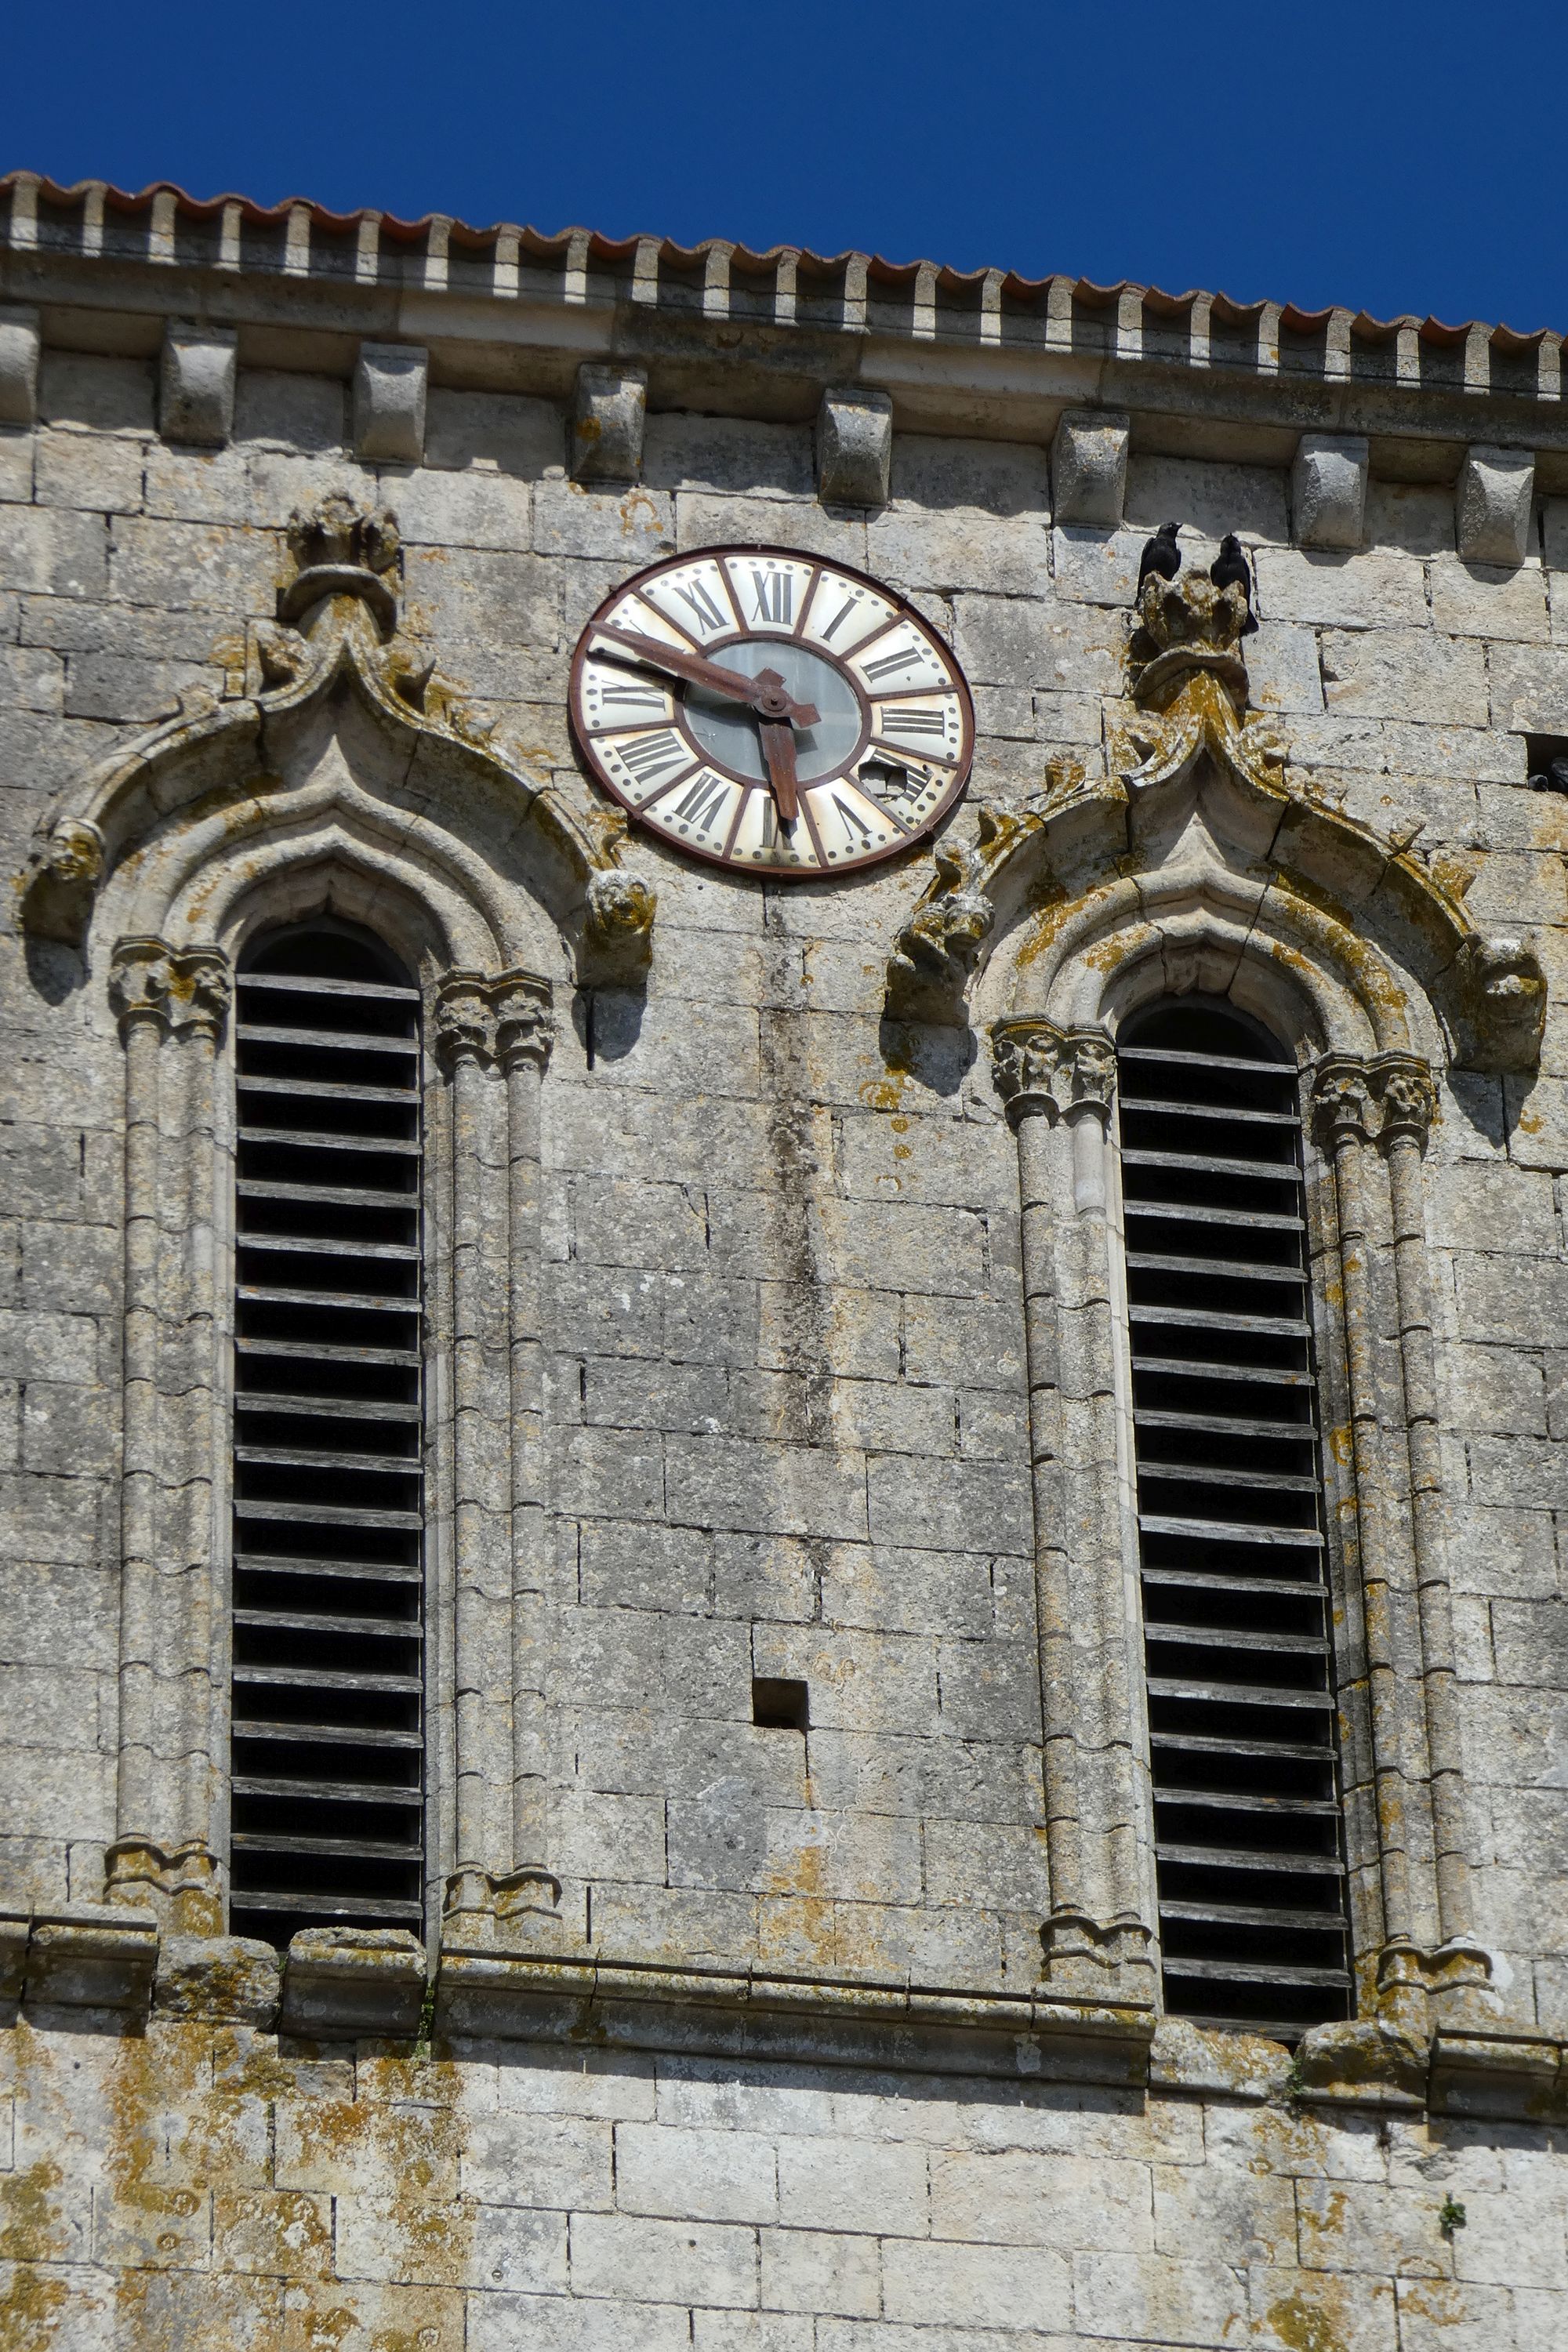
327	1744
1236	1625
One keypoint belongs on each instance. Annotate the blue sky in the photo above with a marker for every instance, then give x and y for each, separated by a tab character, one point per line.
1390	156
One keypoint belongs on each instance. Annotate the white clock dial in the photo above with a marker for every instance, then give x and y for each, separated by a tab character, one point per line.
771	712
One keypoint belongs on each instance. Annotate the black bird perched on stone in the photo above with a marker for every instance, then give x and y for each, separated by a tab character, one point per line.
1230	570
1161	554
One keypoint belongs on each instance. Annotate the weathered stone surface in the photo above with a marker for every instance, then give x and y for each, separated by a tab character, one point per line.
1328	490
196	379
1492	504
1088	467
853	449
19	347
608	420
793	1396
390	385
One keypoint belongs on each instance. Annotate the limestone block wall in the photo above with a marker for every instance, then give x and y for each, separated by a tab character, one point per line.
204	2190
786	1390
786	1419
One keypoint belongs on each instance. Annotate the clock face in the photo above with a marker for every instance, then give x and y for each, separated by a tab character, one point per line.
771	712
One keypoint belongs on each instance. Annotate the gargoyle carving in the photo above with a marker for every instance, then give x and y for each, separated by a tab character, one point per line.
1502	992
936	952
1194	735
338	624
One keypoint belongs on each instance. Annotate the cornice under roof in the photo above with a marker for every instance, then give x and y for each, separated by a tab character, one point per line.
814	295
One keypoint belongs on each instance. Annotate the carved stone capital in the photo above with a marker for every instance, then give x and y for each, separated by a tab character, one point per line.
1042	1068
1379	1099
499	1022
182	1884
1406	1098
174	988
1341	1105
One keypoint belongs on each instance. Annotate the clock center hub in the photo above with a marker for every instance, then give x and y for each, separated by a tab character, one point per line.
728	732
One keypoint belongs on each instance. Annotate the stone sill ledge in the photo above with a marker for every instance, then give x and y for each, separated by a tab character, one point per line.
106	1964
496	1994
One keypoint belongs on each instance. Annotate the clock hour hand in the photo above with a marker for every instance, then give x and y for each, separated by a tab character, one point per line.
765	695
778	750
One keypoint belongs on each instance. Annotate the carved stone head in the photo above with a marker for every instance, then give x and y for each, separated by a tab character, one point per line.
1184	625
338	530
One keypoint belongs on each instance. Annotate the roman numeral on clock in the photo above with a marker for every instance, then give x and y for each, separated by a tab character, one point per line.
651	756
700	600
889	665
927	721
703	802
853	824
775	592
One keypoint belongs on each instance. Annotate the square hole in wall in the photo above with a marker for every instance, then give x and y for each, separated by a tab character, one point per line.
779	1704
1546	757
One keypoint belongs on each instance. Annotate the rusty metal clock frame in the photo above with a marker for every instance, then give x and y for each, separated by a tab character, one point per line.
771	712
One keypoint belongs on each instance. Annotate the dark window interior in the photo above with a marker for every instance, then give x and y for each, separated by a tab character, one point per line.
1247	1818
328	1725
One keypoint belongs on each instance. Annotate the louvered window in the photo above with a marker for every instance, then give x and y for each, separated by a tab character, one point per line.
1247	1820
328	1718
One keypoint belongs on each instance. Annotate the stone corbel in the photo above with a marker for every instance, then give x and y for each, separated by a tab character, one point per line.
339	622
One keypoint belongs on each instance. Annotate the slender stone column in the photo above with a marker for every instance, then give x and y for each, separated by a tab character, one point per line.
524	1033
172	1005
1059	1085
1389	1101
1408	1100
492	1037
1343	1120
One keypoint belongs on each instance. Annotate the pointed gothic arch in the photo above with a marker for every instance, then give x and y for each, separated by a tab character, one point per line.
1201	865
346	780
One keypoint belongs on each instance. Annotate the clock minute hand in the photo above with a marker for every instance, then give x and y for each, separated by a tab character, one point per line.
769	699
